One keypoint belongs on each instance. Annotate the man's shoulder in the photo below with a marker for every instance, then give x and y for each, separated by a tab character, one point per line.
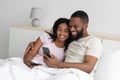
90	37
93	39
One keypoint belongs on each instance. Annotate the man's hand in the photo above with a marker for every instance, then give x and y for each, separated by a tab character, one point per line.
29	47
31	50
51	62
26	58
28	63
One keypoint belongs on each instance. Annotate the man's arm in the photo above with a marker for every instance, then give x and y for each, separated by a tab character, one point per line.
31	51
87	65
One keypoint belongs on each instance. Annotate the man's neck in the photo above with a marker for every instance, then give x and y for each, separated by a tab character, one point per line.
85	35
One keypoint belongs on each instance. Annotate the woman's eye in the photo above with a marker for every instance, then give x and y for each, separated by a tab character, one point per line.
59	30
66	30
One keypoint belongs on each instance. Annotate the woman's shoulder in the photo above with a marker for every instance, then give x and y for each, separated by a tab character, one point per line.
45	37
46	34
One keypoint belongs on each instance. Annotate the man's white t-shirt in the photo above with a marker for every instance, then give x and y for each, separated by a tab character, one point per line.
47	42
90	45
77	50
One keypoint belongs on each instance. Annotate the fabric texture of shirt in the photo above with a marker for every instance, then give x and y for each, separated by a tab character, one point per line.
47	42
90	45
77	50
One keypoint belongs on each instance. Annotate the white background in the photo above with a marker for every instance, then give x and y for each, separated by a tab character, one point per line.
104	15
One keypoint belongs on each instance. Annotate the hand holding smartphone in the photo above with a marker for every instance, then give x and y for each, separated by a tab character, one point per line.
46	51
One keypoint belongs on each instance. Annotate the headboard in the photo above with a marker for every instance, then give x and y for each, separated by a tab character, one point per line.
21	35
106	36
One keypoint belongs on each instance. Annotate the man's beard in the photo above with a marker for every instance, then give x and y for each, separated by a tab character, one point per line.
79	35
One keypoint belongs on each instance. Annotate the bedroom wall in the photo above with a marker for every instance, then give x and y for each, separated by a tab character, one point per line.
104	15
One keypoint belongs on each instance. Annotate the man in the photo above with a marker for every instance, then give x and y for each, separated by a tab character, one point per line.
82	53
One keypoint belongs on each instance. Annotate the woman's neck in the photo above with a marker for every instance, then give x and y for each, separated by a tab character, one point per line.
59	44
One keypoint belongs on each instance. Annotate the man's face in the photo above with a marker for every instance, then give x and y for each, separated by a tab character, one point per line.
76	27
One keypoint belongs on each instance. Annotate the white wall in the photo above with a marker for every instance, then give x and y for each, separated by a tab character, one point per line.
104	15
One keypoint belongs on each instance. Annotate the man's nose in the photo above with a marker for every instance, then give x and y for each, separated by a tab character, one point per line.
72	29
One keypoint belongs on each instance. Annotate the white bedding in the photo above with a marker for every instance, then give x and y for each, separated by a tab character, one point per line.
109	66
15	69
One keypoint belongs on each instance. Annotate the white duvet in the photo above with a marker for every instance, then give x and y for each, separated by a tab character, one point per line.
15	69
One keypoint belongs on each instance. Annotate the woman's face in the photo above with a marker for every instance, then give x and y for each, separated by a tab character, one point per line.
62	32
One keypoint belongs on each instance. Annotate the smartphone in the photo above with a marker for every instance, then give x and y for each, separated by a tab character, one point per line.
35	64
46	51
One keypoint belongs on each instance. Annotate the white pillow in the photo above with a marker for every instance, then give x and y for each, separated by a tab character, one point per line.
108	67
110	45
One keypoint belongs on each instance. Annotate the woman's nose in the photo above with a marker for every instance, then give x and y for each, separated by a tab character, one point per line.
62	32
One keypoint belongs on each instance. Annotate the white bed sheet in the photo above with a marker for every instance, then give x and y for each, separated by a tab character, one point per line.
108	67
15	69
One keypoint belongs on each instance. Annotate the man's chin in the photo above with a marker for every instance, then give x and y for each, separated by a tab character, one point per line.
74	35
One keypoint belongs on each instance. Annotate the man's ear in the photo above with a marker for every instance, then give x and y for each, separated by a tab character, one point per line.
85	26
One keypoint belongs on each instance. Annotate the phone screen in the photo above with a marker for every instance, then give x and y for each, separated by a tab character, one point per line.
46	51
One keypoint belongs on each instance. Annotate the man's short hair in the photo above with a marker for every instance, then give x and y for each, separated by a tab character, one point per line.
82	15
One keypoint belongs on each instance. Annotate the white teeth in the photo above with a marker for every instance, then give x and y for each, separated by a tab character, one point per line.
61	36
74	33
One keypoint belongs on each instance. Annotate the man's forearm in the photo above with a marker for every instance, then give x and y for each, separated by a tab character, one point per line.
68	65
82	66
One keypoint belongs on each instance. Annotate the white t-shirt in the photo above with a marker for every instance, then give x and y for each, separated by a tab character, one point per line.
90	45
47	42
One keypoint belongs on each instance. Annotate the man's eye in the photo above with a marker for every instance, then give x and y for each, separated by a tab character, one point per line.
75	26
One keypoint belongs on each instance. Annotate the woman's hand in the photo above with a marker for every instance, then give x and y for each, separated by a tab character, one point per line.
51	62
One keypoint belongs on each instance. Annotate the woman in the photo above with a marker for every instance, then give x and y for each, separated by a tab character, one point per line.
57	42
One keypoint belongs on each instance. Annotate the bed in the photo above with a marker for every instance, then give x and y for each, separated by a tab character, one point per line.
108	67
